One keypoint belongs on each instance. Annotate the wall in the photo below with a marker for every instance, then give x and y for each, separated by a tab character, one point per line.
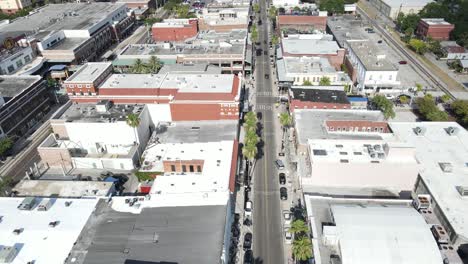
175	33
58	127
23	57
297	104
159	113
315	22
183	165
101	163
195	112
55	156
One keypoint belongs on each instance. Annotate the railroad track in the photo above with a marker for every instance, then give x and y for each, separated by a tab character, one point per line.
415	62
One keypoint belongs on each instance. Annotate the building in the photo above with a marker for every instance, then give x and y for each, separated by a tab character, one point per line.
299	70
441	149
58	227
303	98
452	51
63	189
87	78
313	45
286	3
12	60
391	8
374	72
360	167
13	6
316	21
141	4
361	230
436	28
24	101
347	27
223	17
174	30
226	50
97	136
71	33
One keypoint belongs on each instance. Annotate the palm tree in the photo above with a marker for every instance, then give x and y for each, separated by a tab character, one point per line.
325	81
285	121
251	138
250	152
154	64
138	66
298	227
302	248
134	121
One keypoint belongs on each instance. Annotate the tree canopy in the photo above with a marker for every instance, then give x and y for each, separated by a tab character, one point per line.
332	6
385	105
418	45
5	145
302	248
325	81
460	109
429	110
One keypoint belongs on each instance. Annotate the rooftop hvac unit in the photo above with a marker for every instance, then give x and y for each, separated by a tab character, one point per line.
419	131
422	202
8	254
446	166
440	234
451	130
463	190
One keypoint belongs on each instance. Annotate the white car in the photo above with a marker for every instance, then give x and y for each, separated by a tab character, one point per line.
248	209
288	236
287	218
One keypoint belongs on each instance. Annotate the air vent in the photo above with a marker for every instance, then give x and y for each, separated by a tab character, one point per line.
419	131
451	130
446	166
463	190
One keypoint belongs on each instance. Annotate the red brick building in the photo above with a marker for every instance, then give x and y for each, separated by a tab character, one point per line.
357	126
175	30
436	28
302	22
309	98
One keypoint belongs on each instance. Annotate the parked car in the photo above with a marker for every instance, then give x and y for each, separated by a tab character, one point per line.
287	218
403	62
247	241
248	257
248	209
279	164
267	76
282	178
287	236
380	41
283	193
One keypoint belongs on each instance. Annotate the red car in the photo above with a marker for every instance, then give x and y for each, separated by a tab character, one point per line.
403	62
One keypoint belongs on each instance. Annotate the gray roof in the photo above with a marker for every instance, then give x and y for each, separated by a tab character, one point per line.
310	123
197	131
371	56
186	235
407	3
347	27
89	72
88	113
10	86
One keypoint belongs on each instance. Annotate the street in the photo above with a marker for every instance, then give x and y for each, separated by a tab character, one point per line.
268	240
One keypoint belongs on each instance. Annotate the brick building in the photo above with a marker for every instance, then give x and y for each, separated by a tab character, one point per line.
436	28
303	22
88	78
175	30
303	98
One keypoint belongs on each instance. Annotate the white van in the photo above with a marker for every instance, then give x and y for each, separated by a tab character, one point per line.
248	209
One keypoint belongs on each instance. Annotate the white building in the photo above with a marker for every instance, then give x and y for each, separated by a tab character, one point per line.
97	136
374	72
43	236
442	150
286	3
63	189
391	8
360	167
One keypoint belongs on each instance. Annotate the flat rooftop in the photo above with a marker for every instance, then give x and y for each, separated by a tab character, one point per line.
309	46
435	21
310	123
89	72
10	86
193	234
68	44
221	49
50	18
434	145
77	189
407	3
372	57
199	68
185	83
347	27
319	96
196	131
391	234
37	237
88	113
307	65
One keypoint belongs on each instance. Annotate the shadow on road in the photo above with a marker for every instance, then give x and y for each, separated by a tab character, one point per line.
258	261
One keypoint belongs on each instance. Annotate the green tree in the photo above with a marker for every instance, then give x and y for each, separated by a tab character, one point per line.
302	248
460	108
133	121
307	83
298	227
250	119
256	8
138	66
445	98
435	10
154	64
325	81
5	145
385	105
418	45
251	138
434	46
332	6
419	87
405	22
429	110
404	99
272	12
274	40
254	34
249	152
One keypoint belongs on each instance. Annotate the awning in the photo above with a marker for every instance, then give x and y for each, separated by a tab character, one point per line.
59	67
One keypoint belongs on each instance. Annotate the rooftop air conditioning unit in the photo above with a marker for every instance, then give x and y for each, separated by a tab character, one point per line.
419	131
423	201
463	190
451	130
446	166
440	234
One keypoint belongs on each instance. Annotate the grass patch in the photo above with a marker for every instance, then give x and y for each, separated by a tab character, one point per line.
147	176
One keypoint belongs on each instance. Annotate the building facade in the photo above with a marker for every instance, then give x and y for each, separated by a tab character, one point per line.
174	30
13	6
436	28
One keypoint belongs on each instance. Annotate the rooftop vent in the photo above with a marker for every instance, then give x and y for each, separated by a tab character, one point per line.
463	190
451	130
8	254
446	166
419	131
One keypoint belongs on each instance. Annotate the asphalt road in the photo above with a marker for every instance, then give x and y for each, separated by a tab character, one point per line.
268	240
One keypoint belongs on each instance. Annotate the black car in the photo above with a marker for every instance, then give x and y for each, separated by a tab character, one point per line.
259	22
267	76
265	52
248	241
282	178
283	193
248	257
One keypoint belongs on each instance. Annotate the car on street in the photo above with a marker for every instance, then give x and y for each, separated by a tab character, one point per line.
259	22
279	164
403	62
380	41
247	241
282	178
267	76
248	257
287	236
265	52
283	193
287	218
248	209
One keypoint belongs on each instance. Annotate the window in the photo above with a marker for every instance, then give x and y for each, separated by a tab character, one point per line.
343	153
88	86
191	168
198	168
390	77
11	68
172	167
331	128
344	161
27	58
370	77
357	153
81	93
339	146
184	168
89	93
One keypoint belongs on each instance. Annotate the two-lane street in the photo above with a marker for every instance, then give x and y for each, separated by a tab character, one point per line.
268	246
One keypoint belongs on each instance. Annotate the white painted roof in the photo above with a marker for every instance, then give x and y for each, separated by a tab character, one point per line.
63	188
407	3
309	46
433	146
385	235
89	72
39	242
